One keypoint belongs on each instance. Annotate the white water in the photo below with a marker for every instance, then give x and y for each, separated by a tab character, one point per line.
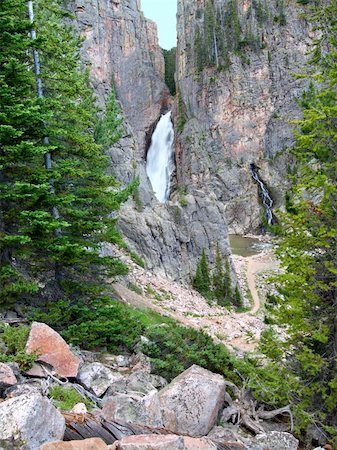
160	161
266	198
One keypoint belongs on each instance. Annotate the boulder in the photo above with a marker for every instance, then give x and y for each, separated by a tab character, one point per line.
273	440
7	377
228	433
134	409
30	419
52	349
29	388
79	408
150	442
137	382
96	377
191	402
85	444
38	371
198	444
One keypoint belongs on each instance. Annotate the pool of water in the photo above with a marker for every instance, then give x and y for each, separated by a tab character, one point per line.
246	246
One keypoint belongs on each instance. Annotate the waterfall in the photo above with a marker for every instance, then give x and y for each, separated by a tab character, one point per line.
160	158
267	201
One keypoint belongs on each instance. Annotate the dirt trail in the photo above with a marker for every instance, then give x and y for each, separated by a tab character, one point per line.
239	331
255	265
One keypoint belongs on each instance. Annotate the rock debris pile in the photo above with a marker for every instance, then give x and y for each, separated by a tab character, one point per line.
132	409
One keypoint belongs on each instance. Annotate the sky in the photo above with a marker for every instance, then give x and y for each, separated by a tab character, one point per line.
163	12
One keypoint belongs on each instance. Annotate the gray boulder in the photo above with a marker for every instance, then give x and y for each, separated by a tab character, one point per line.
97	377
150	442
137	382
31	420
7	376
134	409
191	402
273	440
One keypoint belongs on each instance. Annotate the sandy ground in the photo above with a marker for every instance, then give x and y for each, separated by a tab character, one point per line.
239	331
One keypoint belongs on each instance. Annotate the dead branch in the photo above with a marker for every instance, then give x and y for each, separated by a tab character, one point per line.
267	415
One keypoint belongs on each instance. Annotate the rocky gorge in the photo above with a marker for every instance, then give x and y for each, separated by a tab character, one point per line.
236	111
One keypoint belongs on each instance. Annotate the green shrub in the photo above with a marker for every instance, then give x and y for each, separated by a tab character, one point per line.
102	323
137	260
66	398
15	339
173	348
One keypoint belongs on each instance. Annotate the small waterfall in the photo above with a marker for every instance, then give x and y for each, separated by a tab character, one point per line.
265	196
160	158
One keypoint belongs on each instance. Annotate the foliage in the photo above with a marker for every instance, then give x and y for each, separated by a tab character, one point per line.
137	259
15	339
100	323
109	128
182	118
65	398
170	68
52	221
174	348
202	280
219	285
219	35
307	299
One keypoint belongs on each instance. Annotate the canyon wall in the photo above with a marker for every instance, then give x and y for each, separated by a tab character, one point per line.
236	100
122	48
236	63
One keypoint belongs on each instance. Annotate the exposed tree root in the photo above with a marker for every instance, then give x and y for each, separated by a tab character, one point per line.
241	410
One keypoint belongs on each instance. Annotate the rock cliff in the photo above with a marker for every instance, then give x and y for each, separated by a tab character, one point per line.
236	60
121	46
236	99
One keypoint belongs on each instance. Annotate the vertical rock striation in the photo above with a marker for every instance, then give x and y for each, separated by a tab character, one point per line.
122	47
236	100
236	60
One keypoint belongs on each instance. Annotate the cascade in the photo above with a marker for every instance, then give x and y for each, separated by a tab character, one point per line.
160	158
267	201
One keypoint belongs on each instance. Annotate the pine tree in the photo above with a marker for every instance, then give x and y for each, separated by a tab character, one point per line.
308	248
202	280
237	297
218	278
227	283
170	68
35	245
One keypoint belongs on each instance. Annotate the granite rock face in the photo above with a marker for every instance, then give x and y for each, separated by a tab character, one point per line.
31	420
52	349
191	403
237	112
273	440
240	106
150	442
121	45
85	444
96	377
7	376
134	409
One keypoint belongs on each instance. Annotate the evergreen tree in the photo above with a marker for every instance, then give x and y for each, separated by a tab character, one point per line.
227	283
308	248
170	68
199	50
218	278
202	281
35	245
237	297
210	39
